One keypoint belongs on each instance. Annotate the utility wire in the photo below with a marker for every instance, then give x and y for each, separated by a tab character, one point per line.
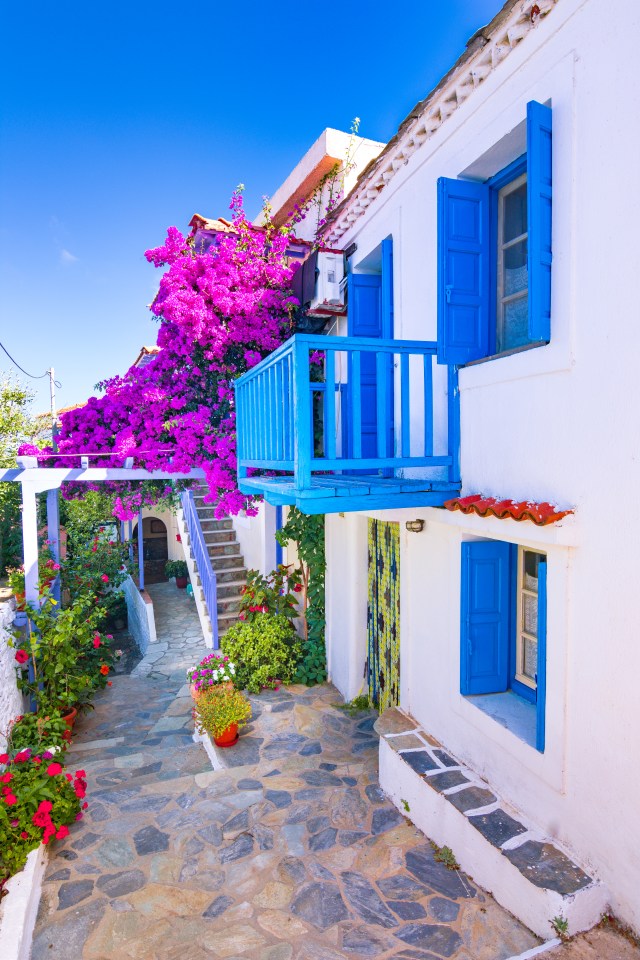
22	370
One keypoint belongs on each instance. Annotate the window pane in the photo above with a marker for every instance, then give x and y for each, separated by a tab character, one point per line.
515	269
530	614
531	570
530	658
515	214
515	326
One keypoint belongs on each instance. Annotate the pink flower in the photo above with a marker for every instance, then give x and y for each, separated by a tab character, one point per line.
54	769
104	578
63	831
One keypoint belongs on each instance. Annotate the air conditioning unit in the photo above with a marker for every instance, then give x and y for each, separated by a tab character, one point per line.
330	273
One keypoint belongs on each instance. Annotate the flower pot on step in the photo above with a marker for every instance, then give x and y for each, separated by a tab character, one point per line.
181	583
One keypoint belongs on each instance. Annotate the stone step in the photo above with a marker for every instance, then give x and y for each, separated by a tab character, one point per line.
526	872
229	588
224	549
219	536
228	575
226	620
210	523
228	604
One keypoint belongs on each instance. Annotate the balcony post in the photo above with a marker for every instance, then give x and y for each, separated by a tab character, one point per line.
303	423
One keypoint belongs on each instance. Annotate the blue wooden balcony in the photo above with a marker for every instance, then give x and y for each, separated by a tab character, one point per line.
370	425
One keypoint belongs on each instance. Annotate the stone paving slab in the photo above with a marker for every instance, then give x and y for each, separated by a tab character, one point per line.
290	853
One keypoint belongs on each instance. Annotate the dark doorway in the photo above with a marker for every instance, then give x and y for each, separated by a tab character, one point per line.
156	548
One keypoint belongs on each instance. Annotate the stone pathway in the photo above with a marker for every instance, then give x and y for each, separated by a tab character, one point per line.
599	944
290	853
180	641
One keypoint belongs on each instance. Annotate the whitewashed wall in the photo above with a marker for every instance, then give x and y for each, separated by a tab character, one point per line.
557	423
10	696
140	615
256	536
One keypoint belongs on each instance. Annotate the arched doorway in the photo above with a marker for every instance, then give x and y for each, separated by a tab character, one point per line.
156	548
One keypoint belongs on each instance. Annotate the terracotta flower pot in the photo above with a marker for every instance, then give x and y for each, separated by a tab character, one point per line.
228	738
181	582
193	691
70	717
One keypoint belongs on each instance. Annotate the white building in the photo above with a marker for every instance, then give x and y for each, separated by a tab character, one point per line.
507	633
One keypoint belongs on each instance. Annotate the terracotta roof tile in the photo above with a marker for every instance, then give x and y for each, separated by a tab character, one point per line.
539	513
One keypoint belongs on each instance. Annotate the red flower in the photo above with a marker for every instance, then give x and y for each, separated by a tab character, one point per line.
96	642
24	835
45	806
10	800
63	831
80	773
104	578
109	684
85	805
4	758
54	769
297	588
22	656
22	756
6	778
104	669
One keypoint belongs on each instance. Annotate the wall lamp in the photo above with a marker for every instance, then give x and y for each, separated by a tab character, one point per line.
415	526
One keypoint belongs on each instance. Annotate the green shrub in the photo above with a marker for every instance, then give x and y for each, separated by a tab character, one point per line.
176	568
265	651
38	732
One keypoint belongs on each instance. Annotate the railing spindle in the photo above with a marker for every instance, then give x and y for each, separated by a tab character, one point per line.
428	405
381	402
404	405
329	446
356	404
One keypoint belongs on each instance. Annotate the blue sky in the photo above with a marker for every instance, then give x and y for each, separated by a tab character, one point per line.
121	119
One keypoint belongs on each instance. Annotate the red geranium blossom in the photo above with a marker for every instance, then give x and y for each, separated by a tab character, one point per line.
22	656
104	669
54	769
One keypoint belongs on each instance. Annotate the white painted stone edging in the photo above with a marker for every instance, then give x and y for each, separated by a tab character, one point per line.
440	821
201	607
210	749
18	909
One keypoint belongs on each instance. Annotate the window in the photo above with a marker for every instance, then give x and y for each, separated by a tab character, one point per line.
512	275
494	254
503	634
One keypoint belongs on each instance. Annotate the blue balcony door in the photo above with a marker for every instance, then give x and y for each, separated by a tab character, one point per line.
370	314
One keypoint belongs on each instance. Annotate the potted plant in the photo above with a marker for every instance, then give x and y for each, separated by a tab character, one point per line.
220	713
179	570
215	670
65	659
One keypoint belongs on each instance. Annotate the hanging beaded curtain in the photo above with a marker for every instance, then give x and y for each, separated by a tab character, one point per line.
383	613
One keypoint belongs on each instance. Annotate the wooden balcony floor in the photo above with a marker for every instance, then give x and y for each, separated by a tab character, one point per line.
342	494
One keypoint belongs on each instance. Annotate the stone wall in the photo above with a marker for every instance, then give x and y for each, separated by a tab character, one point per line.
142	624
10	697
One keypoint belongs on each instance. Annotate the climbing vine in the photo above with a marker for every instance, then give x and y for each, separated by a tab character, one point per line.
307	532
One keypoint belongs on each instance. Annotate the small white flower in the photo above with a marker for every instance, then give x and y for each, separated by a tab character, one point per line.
232	669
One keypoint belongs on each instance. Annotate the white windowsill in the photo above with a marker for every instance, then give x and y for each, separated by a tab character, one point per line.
511	711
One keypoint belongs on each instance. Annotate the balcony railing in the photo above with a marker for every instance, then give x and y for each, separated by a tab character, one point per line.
339	412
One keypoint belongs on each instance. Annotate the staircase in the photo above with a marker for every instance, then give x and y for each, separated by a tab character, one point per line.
227	563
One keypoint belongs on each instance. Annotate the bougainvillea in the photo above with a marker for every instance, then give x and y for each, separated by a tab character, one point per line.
221	311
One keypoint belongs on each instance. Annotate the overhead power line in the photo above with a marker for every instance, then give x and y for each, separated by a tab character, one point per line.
30	375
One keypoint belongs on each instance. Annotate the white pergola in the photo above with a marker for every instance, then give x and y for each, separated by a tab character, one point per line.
35	479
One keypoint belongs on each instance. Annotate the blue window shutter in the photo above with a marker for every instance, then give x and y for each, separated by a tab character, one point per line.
539	209
464	265
486	604
542	655
364	317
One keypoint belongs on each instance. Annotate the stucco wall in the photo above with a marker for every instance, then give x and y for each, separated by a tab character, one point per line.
555	423
256	536
10	697
141	621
